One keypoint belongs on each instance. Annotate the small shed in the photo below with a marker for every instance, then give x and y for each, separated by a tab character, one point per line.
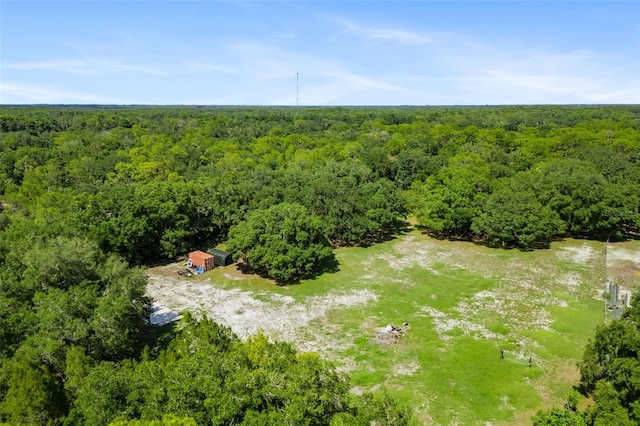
199	258
222	258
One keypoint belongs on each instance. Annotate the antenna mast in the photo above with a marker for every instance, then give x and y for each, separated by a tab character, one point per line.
297	92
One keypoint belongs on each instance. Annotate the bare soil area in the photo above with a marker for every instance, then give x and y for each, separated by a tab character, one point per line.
623	263
278	316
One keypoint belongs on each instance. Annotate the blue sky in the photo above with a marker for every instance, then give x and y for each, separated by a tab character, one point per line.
346	52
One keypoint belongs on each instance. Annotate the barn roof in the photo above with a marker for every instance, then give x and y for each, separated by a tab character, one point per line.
222	257
201	254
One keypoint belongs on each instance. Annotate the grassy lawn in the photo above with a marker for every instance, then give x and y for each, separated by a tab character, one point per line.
464	303
537	304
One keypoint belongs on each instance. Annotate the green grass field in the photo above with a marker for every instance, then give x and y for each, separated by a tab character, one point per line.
464	303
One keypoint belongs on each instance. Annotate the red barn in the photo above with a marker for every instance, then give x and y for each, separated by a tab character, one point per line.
199	258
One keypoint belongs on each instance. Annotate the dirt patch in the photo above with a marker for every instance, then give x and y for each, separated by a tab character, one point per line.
235	277
580	255
562	372
413	253
406	369
279	317
444	324
623	265
621	254
242	271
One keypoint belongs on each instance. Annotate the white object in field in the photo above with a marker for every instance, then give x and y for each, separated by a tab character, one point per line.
161	315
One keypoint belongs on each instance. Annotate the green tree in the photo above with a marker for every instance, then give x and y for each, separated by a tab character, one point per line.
284	241
585	200
558	417
514	217
373	409
33	396
207	374
611	367
612	342
355	207
450	201
607	409
102	396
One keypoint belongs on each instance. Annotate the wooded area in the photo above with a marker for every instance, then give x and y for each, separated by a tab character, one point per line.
88	194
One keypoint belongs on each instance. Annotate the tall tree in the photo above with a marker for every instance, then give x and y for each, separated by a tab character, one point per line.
284	241
514	217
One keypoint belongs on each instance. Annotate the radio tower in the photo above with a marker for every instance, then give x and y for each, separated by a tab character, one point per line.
297	92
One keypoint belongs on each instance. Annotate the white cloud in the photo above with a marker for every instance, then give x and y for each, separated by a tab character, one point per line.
210	67
384	34
30	94
74	67
324	80
358	82
87	66
538	76
264	62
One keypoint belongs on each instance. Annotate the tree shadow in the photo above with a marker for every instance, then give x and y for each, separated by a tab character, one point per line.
164	261
329	265
155	338
583	389
494	244
448	236
396	229
247	269
538	245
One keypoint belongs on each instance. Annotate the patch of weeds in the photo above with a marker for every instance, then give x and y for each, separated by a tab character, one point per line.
499	328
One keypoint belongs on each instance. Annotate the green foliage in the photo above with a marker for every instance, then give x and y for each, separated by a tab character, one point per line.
374	409
33	395
167	420
208	376
608	409
584	199
613	343
513	217
73	305
284	241
610	369
102	395
558	417
145	222
572	398
453	198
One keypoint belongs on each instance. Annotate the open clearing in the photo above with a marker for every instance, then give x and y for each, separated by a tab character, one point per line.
464	303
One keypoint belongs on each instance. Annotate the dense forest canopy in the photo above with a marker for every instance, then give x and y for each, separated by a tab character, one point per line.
148	183
87	194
